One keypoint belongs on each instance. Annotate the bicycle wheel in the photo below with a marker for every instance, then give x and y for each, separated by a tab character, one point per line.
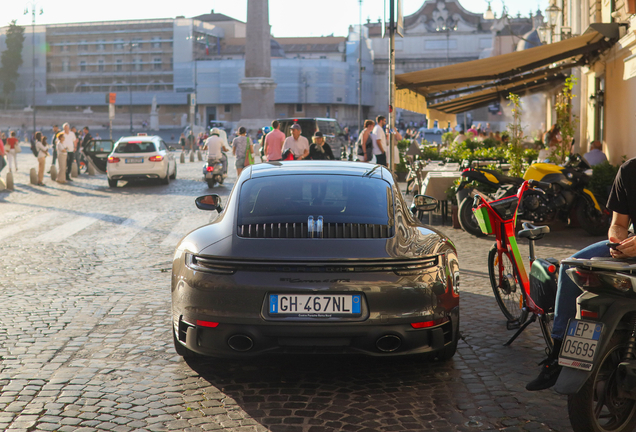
546	321
509	292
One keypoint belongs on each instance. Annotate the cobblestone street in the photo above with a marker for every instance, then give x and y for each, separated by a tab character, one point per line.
85	339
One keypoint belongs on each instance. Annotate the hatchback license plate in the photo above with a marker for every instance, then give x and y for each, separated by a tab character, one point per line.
135	160
580	344
315	306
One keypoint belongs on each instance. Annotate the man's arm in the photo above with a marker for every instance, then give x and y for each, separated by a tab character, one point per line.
618	233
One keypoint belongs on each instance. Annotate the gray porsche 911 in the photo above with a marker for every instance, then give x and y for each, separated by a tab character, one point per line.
315	257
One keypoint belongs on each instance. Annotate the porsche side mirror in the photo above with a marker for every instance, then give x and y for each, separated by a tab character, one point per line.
424	203
209	202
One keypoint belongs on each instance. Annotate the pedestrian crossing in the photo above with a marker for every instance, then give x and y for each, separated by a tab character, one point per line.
125	231
52	227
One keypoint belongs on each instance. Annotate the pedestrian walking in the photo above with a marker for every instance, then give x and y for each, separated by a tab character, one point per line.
86	139
296	143
240	147
3	162
13	149
62	151
56	130
70	144
274	141
379	145
191	141
42	148
182	142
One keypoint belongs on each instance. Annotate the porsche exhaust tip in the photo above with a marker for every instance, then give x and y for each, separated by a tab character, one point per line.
388	343
240	343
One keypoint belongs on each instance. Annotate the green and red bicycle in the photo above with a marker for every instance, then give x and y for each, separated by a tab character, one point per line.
518	294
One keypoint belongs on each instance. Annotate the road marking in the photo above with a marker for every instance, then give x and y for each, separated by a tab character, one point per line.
34	222
129	228
71	227
184	226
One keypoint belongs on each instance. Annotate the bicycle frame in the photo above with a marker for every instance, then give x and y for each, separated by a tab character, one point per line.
491	222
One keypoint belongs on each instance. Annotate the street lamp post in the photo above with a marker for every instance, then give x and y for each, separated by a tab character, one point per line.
131	45
360	72
33	7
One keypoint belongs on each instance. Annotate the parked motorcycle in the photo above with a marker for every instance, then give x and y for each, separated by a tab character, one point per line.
598	354
567	196
214	172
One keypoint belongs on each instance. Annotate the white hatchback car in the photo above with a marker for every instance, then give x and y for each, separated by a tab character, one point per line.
141	157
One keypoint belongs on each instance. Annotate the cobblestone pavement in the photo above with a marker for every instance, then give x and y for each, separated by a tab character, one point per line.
85	338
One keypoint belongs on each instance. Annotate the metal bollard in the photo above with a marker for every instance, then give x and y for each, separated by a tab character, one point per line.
10	180
33	176
3	185
53	172
74	169
182	158
191	155
90	169
199	155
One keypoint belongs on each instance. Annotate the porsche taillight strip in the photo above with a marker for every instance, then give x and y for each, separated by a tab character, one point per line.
330	230
228	266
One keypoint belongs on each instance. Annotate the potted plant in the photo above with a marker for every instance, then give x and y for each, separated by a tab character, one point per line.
401	170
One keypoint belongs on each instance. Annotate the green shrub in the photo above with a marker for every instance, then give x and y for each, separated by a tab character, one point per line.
602	179
429	152
403	145
449	137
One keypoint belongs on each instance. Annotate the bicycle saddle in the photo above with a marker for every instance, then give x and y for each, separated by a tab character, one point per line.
532	232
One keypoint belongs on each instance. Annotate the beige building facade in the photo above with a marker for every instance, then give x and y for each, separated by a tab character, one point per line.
606	91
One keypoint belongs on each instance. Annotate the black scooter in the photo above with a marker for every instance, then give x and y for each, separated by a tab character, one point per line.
215	171
598	353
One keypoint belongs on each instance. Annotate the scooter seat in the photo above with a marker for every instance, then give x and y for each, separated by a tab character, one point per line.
532	232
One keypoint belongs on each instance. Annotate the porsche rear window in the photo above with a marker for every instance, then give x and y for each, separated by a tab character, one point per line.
293	198
136	147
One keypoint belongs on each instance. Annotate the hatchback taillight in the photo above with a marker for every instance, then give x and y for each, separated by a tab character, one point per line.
157	158
113	159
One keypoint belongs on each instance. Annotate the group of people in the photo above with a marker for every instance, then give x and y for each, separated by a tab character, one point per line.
63	148
274	144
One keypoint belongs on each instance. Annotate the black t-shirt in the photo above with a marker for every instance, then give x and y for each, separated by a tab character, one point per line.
316	154
622	198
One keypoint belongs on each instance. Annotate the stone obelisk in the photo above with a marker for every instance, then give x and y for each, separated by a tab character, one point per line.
257	88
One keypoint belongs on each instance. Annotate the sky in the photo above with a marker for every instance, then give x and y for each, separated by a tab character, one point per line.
288	18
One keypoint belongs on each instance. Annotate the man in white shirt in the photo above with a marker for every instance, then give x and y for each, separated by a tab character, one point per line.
70	142
379	145
216	147
298	144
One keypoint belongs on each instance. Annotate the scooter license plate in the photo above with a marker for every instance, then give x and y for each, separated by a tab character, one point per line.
580	344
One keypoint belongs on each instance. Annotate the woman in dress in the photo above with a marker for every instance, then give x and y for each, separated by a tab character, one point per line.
61	159
43	151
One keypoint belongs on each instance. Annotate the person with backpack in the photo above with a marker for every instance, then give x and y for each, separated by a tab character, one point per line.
42	152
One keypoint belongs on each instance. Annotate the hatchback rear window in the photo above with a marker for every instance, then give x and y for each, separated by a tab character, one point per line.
135	147
293	198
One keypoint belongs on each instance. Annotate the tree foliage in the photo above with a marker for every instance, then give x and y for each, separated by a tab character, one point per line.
515	131
11	60
565	120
